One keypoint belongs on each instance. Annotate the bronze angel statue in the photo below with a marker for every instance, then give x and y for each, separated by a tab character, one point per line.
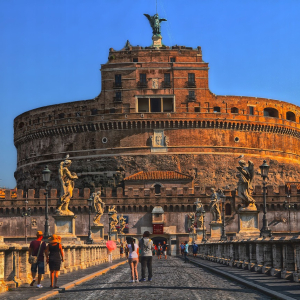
246	174
155	23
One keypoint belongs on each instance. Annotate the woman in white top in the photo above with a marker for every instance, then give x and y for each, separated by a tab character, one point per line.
133	259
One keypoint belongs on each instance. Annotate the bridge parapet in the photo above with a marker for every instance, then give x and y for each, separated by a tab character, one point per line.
75	257
278	256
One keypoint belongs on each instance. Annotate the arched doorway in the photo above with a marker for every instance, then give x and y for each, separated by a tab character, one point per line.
159	239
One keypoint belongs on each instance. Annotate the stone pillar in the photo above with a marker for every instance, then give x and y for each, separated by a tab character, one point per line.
199	235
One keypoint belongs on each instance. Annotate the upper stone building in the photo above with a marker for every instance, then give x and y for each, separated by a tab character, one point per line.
155	112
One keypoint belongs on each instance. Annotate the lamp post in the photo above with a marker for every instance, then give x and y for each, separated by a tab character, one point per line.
89	238
46	178
265	231
204	233
288	206
110	213
26	213
223	236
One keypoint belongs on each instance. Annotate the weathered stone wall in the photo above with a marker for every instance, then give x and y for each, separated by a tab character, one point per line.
206	133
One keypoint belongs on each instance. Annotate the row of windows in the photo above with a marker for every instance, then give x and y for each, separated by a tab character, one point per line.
171	59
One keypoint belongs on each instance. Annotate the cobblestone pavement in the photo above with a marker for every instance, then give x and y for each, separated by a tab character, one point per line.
172	279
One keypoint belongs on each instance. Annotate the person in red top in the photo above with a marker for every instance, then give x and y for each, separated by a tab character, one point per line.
33	250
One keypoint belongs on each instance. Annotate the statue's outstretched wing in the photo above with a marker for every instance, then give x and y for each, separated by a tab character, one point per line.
149	19
251	169
160	20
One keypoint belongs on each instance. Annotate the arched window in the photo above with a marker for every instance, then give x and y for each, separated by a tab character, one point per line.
157	188
217	109
271	112
290	116
234	110
227	209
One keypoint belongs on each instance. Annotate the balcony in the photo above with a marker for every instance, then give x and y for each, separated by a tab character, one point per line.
191	84
117	85
191	98
166	84
142	84
117	99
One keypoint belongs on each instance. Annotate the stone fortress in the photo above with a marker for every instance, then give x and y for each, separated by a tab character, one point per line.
157	136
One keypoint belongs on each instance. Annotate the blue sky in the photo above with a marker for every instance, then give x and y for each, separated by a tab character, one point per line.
51	51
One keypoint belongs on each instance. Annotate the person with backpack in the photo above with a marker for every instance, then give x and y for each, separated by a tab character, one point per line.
146	246
195	249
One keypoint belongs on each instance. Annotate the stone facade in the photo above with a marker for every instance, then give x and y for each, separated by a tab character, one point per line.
163	93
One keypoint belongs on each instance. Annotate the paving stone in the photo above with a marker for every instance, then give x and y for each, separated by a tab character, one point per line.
172	279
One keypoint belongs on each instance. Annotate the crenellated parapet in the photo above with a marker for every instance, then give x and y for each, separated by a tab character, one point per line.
143	199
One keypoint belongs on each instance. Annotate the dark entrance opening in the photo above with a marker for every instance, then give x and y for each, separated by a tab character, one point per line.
159	239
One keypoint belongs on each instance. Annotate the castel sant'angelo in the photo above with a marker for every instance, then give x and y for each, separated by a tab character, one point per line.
155	112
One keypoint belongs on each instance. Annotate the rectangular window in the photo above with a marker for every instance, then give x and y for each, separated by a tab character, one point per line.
168	105
191	95
167	77
191	78
251	110
143	105
155	104
118	78
135	59
172	59
143	78
118	96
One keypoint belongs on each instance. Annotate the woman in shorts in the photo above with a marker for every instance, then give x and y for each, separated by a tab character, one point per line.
54	255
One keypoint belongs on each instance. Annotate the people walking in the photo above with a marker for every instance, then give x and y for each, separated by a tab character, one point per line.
186	250
182	249
164	249
195	249
121	250
159	251
54	255
36	258
126	252
146	245
133	259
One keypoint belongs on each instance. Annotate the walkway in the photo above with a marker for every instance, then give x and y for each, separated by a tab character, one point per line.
172	279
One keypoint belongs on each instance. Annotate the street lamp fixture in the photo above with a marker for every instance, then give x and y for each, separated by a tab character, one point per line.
26	214
90	204
223	236
288	206
264	170
46	178
203	233
110	213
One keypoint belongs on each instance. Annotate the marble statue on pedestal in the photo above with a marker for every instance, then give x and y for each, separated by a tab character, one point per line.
122	223
67	186
214	206
191	222
246	174
113	219
199	213
99	207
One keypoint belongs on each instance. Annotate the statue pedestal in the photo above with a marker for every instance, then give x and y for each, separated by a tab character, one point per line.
215	230
156	41
114	235
199	235
97	232
64	226
122	238
248	224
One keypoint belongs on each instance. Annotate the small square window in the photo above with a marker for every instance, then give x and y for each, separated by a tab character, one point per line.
135	59
172	59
